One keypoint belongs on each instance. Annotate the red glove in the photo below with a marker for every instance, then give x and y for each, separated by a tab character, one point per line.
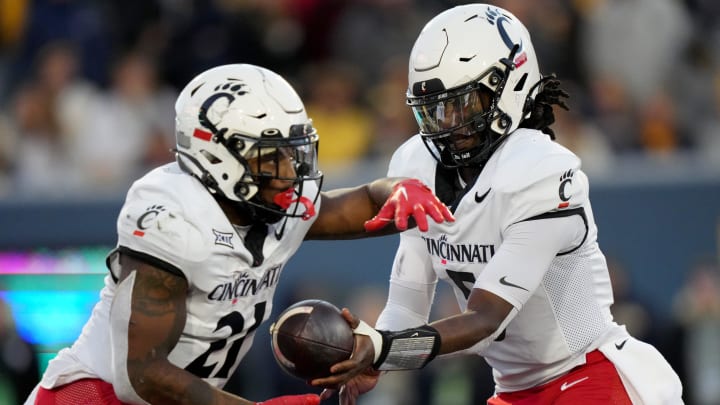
304	399
410	197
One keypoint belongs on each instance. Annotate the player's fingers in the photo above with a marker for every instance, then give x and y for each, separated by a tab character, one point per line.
446	213
338	378
327	393
420	217
383	217
387	210
346	369
376	224
433	209
440	212
348	396
331	383
402	211
351	319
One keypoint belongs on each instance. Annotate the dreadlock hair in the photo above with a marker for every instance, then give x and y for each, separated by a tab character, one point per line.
541	109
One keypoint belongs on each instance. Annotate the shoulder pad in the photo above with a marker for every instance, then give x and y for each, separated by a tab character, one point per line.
535	176
154	221
529	157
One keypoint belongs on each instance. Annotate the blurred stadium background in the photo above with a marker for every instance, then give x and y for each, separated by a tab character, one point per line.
86	106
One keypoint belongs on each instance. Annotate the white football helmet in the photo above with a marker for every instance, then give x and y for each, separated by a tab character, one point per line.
472	72
232	113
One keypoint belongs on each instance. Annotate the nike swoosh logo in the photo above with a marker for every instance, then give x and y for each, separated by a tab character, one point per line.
479	198
503	281
620	345
567	385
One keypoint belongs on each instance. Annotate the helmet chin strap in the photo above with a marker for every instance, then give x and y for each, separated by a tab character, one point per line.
480	154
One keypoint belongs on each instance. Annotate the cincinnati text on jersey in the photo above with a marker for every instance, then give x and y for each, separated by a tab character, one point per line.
243	285
459	252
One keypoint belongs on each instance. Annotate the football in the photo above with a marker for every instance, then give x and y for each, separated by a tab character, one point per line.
309	337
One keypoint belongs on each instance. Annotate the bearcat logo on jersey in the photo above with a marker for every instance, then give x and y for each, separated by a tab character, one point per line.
243	285
459	252
565	180
147	218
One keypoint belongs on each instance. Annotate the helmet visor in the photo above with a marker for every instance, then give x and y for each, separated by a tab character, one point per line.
300	147
292	159
450	112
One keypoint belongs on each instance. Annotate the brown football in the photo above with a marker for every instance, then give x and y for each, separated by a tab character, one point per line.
309	337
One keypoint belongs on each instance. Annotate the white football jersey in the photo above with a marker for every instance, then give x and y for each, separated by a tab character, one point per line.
564	309
170	220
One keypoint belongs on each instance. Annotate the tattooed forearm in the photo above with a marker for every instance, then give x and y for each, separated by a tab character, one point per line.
165	384
157	319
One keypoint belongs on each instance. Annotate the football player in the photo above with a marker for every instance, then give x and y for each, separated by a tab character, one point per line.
522	257
203	241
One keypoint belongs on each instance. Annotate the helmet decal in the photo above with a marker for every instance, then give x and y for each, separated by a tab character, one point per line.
212	109
495	16
208	108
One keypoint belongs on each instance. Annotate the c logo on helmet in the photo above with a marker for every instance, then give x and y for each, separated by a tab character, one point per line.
209	109
207	105
495	17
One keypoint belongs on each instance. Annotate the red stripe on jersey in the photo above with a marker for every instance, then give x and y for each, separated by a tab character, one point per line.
139	233
563	204
204	135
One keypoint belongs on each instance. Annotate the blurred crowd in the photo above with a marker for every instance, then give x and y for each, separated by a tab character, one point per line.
87	86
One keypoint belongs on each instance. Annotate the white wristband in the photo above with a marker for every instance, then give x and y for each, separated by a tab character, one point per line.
375	336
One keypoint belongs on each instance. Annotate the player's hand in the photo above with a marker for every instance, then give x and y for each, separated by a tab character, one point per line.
304	399
359	385
360	361
410	197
